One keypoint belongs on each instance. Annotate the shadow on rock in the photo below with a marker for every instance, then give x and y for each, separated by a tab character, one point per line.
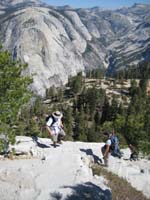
89	152
39	144
55	196
88	191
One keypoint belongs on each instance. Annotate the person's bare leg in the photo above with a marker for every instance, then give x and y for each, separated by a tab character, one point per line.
54	138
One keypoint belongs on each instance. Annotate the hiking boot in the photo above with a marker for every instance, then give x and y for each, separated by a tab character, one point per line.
54	144
59	142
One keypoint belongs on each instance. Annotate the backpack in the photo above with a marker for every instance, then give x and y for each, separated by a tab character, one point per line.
114	142
53	119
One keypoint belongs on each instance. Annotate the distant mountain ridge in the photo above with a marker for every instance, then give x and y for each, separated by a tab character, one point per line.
58	42
9	3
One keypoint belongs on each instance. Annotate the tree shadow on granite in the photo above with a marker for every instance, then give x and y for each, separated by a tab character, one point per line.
88	191
89	152
55	196
85	191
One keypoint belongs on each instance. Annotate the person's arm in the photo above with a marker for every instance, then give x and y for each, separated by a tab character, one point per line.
106	151
48	124
49	130
108	143
61	124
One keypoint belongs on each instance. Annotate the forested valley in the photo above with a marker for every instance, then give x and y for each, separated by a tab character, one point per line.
87	106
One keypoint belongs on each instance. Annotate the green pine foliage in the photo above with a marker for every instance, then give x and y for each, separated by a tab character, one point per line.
95	73
80	126
14	93
90	112
68	122
76	83
87	110
139	71
137	118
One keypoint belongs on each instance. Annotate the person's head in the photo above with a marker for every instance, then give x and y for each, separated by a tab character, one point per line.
107	134
113	131
57	114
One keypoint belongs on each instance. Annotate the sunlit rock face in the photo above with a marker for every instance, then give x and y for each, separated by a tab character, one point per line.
59	42
8	3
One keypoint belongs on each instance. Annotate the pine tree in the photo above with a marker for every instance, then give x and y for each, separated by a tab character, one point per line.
51	92
14	93
113	109
97	118
60	95
76	83
105	111
133	88
68	122
80	129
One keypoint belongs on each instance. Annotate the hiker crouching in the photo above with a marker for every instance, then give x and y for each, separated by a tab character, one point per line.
54	126
106	149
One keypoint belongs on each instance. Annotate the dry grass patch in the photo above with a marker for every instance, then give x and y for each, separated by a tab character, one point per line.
120	188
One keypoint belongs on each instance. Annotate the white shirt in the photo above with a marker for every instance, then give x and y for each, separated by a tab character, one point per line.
108	142
49	122
56	126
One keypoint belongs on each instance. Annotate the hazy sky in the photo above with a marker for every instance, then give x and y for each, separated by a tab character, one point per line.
92	3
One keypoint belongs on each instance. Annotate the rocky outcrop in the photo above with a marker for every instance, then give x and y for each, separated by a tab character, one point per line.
8	3
58	42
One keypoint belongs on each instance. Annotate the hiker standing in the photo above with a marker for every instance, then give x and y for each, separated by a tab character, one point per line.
115	145
54	126
106	149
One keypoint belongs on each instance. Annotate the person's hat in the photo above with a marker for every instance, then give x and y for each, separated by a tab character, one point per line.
57	114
